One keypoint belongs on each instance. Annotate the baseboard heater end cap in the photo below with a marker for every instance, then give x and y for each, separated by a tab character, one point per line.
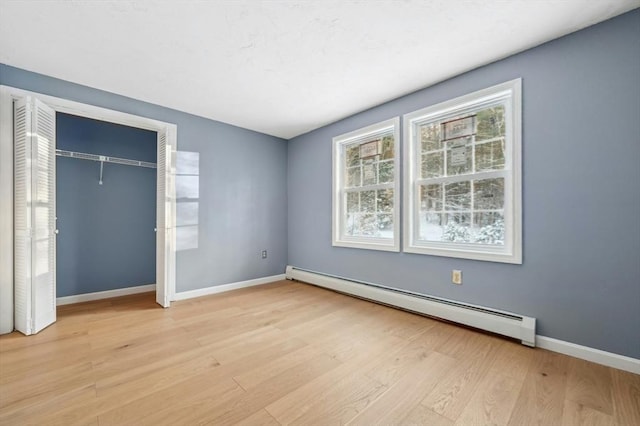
529	331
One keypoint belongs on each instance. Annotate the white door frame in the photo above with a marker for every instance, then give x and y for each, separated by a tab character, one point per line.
7	96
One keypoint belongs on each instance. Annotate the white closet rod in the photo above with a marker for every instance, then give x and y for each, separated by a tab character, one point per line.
104	159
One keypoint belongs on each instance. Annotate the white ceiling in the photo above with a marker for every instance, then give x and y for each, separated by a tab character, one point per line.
282	67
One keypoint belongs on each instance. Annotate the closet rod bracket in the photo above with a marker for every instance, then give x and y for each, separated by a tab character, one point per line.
102	160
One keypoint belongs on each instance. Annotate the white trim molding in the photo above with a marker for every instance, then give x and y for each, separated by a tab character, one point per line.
190	294
609	359
98	295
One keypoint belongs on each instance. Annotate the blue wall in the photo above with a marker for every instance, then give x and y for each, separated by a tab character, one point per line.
106	238
581	194
242	186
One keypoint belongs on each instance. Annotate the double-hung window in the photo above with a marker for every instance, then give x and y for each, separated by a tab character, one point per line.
366	187
462	177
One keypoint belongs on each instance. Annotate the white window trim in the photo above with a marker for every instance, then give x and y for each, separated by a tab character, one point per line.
511	252
371	243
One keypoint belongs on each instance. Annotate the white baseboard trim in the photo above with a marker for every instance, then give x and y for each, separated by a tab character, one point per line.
190	294
609	359
87	297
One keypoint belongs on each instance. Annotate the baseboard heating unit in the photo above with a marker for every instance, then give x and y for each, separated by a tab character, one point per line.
505	323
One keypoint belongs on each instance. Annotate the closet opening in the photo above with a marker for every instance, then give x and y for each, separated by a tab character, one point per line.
28	284
105	209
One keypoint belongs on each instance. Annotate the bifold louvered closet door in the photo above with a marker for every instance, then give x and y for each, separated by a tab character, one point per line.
163	226
35	222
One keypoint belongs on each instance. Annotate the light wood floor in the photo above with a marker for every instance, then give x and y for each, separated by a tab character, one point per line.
290	353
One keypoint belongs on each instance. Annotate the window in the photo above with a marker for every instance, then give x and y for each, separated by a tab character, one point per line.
462	188
366	187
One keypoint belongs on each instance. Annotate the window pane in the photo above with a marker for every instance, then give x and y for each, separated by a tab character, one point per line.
369	172
385	226
430	137
352	227
368	201
431	226
459	156
385	200
490	156
488	194
353	155
387	150
458	228
353	204
353	177
368	225
458	195
490	123
489	228
432	164
431	197
386	171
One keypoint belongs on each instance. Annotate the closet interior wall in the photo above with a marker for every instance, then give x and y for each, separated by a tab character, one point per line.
106	238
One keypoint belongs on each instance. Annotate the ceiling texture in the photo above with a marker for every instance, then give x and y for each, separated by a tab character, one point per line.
281	67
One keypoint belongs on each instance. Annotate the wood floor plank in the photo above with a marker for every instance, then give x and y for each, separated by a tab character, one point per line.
514	359
348	397
493	401
294	404
271	390
47	410
32	389
541	399
230	349
259	418
291	353
626	398
335	302
399	361
422	415
42	358
575	414
149	385
452	394
464	345
189	396
253	377
590	384
123	389
143	351
407	392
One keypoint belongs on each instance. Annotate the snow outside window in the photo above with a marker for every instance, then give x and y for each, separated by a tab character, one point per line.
462	188
366	187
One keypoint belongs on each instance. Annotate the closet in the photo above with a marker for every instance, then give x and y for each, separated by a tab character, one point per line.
28	276
105	206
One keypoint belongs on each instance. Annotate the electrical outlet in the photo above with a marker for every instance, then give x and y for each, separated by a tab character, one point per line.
264	254
456	276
